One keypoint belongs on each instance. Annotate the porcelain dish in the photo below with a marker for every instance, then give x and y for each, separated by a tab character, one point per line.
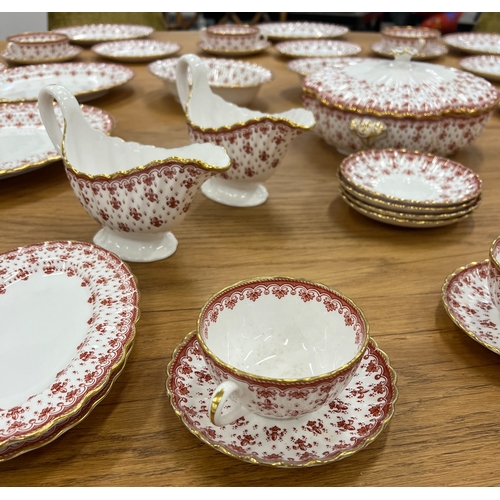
308	65
235	81
301	30
400	104
85	80
467	300
474	43
259	46
24	143
136	50
90	34
486	66
426	54
336	431
58	359
318	48
70	54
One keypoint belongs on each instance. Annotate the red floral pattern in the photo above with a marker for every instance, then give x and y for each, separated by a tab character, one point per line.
318	48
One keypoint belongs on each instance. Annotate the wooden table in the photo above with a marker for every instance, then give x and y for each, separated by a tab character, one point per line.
446	425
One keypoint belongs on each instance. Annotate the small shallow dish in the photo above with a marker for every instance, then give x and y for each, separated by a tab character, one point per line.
307	65
90	34
136	50
318	48
70	54
467	300
83	308
85	80
474	43
486	66
259	46
301	30
410	178
431	52
24	143
235	81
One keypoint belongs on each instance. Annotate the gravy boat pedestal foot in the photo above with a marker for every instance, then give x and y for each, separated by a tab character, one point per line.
233	193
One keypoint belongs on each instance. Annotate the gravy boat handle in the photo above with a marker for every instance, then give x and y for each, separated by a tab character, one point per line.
199	77
70	109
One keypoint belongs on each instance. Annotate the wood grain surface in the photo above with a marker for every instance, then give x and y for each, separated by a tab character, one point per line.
446	425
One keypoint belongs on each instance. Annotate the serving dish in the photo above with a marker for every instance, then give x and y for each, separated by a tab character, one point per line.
24	143
89	34
85	80
401	104
486	66
136	50
83	308
235	81
301	30
318	48
474	43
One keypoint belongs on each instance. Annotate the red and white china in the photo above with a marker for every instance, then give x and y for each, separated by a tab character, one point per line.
474	43
467	300
335	431
301	30
426	53
136	50
318	48
37	45
85	80
232	37
235	81
494	272
70	53
2	66
256	142
24	143
400	104
90	34
59	360
308	65
486	66
415	38
279	347
234	50
137	193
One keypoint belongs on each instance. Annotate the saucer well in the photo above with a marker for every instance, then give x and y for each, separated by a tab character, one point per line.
430	53
70	54
466	298
338	430
260	46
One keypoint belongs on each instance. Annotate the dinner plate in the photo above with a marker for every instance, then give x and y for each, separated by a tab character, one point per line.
69	313
24	142
70	54
84	80
431	52
474	43
486	66
136	50
301	30
336	431
259	46
89	34
318	48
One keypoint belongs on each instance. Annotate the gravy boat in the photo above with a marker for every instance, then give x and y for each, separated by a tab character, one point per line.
138	193
256	142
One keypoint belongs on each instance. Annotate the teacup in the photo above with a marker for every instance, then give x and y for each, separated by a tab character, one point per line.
37	45
232	37
418	40
279	347
494	272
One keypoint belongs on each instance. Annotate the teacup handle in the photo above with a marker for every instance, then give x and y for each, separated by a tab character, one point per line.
263	37
199	76
203	34
70	109
13	49
218	401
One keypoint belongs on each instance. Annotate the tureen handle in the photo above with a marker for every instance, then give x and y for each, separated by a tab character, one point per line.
218	401
70	109
199	76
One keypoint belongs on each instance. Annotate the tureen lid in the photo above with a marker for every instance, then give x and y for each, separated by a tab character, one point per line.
401	88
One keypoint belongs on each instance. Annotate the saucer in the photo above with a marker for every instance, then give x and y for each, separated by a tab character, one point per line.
334	432
474	43
466	297
136	50
318	48
486	66
260	46
430	53
297	30
70	54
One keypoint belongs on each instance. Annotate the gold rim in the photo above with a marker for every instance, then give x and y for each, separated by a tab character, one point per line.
492	255
253	460
455	320
291	381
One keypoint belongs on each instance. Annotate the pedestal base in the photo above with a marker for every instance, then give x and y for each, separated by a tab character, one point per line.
234	193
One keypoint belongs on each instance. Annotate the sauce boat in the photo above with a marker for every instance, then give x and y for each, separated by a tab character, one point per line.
256	142
138	193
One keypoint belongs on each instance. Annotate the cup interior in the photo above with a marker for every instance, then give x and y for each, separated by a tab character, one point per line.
282	328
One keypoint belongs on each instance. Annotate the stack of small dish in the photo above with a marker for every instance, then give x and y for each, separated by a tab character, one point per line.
408	189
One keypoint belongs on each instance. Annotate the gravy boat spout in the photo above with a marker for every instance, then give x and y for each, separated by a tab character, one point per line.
138	193
256	142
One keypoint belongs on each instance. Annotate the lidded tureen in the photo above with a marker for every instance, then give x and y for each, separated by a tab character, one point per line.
399	104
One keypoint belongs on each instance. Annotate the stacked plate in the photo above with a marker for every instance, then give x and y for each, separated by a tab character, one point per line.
408	189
